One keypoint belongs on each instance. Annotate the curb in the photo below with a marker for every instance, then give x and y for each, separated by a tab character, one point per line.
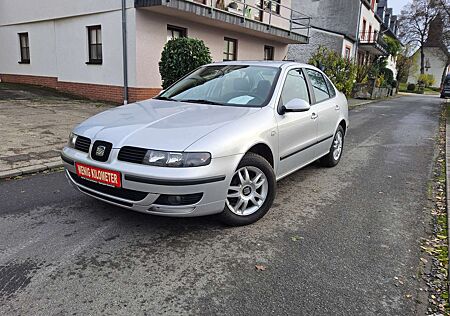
447	172
11	173
364	102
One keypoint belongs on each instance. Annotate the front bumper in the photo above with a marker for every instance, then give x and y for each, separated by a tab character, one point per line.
150	182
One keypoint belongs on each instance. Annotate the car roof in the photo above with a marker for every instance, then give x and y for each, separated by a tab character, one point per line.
267	63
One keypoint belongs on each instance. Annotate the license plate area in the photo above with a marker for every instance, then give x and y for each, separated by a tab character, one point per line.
99	175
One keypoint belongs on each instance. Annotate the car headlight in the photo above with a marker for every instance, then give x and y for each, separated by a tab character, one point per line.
176	159
72	140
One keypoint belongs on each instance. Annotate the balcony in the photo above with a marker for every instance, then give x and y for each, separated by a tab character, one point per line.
263	18
373	43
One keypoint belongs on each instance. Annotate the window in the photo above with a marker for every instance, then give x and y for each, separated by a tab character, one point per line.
174	32
348	52
372	5
268	52
95	44
24	48
364	29
330	86
227	85
370	33
275	6
230	49
295	87
319	85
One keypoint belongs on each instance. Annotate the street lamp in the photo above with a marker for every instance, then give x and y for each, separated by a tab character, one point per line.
427	64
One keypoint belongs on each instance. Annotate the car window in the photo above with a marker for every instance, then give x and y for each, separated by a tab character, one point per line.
228	85
295	87
319	85
331	89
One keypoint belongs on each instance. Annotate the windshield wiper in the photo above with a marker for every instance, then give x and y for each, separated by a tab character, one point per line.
165	99
201	101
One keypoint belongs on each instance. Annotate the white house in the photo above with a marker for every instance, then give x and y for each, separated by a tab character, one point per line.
77	45
437	56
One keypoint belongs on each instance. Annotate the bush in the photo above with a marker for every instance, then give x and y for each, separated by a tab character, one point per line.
342	72
388	76
426	79
394	84
181	56
411	87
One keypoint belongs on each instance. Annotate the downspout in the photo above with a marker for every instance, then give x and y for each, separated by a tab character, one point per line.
357	30
124	53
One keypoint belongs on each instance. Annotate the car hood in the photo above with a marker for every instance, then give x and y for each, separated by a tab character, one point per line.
157	124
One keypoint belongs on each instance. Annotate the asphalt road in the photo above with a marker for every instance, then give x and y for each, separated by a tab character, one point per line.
332	244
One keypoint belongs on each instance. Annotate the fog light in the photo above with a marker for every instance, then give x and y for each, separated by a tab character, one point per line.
181	199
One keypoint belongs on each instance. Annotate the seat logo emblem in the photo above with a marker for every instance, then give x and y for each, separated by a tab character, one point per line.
100	151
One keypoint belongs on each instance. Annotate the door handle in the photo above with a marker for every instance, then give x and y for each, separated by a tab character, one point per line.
314	116
337	107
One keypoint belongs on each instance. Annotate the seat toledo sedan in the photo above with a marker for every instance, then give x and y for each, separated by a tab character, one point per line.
215	142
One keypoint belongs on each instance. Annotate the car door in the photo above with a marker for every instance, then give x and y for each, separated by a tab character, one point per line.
297	131
326	108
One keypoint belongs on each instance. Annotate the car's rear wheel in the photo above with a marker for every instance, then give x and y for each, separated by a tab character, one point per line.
337	146
251	191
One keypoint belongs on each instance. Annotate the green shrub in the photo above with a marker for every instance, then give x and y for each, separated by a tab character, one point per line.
394	84
426	79
342	72
388	76
181	56
411	87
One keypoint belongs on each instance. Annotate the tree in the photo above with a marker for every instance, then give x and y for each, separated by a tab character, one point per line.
181	56
403	67
415	19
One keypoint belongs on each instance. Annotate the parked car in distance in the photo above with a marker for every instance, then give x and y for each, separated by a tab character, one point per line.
445	90
215	142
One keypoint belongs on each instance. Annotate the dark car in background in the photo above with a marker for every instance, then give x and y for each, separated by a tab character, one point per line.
445	91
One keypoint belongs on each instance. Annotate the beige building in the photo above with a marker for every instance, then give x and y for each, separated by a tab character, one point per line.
110	49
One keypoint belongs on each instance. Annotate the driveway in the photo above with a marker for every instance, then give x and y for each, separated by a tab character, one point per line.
35	124
336	242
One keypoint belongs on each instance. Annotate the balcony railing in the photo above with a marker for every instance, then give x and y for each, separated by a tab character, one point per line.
375	39
271	13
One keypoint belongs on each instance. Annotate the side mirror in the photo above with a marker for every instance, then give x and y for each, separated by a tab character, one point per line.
296	105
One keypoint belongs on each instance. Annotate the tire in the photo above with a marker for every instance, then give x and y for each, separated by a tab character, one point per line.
331	160
244	188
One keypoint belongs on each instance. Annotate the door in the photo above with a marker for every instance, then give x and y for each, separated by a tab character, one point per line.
297	131
326	107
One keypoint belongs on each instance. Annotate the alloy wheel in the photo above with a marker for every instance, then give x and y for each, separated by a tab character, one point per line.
337	145
248	191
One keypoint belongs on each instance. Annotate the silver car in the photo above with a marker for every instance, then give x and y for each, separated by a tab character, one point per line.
216	141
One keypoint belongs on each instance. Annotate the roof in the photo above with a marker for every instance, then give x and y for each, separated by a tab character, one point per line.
267	63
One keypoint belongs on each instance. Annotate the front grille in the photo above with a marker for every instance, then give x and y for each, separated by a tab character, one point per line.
132	154
82	143
127	194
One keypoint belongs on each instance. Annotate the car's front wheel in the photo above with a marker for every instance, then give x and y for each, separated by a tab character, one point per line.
251	191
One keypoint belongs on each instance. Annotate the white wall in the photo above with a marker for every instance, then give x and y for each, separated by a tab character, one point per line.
42	49
21	11
59	48
369	16
151	36
438	62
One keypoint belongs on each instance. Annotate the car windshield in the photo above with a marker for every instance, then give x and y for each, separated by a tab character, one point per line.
230	85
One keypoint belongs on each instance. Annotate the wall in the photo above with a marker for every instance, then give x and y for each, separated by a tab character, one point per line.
22	11
302	53
151	36
340	16
59	48
369	16
438	62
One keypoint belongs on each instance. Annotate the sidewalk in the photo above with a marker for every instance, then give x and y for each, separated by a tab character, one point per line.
35	125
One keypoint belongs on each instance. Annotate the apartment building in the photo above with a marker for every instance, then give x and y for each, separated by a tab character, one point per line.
353	28
110	49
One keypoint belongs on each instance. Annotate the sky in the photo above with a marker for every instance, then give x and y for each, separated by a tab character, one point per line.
397	5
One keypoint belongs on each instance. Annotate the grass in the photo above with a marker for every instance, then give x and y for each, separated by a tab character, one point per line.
429	91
